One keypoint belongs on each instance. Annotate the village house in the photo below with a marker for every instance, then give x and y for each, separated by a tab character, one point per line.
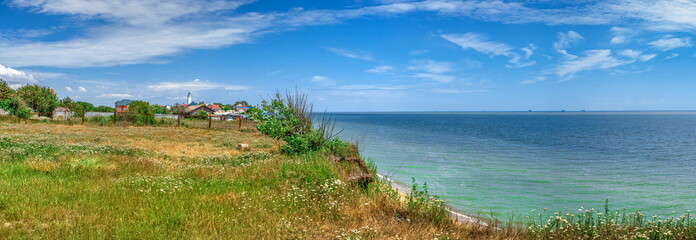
215	107
123	105
241	108
194	109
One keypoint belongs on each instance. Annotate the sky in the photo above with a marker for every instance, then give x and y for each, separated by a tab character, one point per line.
359	55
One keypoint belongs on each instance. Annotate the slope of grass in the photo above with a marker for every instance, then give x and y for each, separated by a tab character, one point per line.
72	181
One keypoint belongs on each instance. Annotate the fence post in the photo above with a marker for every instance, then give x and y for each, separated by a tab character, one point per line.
210	121
178	120
114	117
83	117
239	119
147	117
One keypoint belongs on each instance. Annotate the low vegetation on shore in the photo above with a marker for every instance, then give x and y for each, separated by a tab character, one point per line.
292	180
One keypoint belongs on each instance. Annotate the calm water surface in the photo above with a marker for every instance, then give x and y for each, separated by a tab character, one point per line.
511	163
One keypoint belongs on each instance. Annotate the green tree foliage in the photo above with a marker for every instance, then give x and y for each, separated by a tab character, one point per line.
237	103
103	109
77	107
141	113
39	98
5	91
85	106
161	109
17	107
290	118
202	115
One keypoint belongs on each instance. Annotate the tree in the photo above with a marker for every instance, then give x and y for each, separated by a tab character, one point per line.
17	107
103	109
161	109
85	106
243	103
5	91
77	107
39	98
143	111
202	115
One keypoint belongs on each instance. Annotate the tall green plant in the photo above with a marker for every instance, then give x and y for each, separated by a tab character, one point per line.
5	91
39	98
141	113
290	118
17	107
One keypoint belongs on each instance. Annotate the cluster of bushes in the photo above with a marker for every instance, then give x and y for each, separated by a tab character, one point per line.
290	118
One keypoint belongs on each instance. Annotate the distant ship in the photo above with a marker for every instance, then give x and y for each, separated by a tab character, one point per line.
562	110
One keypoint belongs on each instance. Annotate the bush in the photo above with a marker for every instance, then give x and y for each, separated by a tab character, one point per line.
290	118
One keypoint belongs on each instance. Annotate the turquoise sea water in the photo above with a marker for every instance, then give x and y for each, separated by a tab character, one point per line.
511	163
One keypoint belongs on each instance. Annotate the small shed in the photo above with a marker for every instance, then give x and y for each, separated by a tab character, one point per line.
3	112
62	114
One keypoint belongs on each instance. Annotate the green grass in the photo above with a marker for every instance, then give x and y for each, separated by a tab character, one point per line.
106	182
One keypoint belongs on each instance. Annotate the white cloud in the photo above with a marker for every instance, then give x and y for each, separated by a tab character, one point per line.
319	78
380	69
479	43
669	43
630	53
636	55
195	85
528	51
435	77
135	31
534	80
81	89
621	34
115	95
352	54
134	12
673	55
69	89
431	66
647	57
593	59
567	39
11	75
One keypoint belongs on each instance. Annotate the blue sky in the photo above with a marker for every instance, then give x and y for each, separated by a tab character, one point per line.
359	55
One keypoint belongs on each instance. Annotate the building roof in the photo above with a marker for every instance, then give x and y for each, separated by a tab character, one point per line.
197	108
214	107
61	109
124	102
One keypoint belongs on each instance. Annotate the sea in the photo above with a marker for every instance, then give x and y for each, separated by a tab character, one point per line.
510	163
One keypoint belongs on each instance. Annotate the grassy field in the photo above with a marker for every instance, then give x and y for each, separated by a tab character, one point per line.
124	182
101	182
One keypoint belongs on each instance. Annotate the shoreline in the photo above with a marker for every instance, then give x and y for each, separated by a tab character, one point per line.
454	213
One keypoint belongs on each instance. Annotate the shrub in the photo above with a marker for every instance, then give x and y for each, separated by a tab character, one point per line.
290	118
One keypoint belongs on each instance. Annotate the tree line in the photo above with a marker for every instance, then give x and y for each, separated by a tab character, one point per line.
42	100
